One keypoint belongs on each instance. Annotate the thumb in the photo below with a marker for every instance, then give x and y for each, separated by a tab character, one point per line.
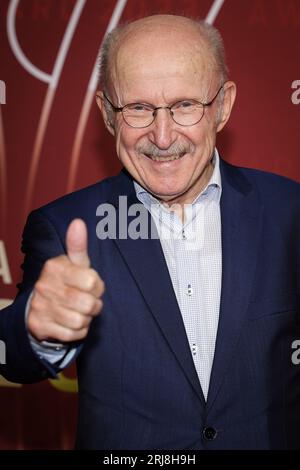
76	243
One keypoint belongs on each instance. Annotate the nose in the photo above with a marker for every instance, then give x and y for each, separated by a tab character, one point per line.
162	129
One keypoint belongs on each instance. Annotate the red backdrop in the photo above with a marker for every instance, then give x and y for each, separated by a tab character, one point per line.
52	139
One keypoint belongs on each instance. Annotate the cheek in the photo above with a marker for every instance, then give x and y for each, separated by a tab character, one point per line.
202	138
126	142
204	143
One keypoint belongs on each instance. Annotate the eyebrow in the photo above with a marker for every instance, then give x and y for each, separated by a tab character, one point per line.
185	98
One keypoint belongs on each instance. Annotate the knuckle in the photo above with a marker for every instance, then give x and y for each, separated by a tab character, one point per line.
53	266
79	301
67	335
101	286
99	306
89	283
88	304
50	265
91	279
100	289
77	321
82	333
36	303
71	295
40	287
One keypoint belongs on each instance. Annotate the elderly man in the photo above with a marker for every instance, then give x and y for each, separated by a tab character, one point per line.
193	347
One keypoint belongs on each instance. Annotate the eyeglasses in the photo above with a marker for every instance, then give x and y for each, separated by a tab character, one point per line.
185	112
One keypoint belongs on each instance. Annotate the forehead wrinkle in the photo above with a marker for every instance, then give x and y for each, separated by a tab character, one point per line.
147	50
160	65
163	90
173	49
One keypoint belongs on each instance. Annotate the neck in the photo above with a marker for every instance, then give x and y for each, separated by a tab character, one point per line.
178	203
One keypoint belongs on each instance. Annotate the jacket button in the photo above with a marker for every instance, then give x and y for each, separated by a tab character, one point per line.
209	433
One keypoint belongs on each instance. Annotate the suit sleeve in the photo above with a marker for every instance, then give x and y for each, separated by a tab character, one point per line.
40	242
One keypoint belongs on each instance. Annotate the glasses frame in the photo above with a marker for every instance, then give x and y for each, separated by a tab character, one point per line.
155	109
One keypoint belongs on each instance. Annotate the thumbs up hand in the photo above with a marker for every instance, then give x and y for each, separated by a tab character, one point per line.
67	294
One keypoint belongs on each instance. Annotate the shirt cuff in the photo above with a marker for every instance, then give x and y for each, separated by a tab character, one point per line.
52	352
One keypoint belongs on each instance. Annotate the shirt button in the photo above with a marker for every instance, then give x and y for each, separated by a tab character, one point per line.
209	433
189	290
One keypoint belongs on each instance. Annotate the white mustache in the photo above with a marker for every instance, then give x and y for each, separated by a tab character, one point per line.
177	150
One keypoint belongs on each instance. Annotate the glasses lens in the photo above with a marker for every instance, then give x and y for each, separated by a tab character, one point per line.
138	115
187	113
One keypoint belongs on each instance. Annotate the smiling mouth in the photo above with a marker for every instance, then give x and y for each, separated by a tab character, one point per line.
169	158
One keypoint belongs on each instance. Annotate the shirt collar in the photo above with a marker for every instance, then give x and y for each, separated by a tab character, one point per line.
214	185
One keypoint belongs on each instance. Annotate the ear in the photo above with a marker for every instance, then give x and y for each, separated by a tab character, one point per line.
228	102
100	102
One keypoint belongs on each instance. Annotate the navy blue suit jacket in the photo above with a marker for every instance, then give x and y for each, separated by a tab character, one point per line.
138	388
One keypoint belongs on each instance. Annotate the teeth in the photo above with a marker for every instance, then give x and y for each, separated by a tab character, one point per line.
166	159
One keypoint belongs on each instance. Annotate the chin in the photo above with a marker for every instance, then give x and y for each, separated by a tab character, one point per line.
162	194
166	186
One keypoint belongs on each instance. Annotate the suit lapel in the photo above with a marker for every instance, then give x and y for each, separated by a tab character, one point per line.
146	262
241	219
